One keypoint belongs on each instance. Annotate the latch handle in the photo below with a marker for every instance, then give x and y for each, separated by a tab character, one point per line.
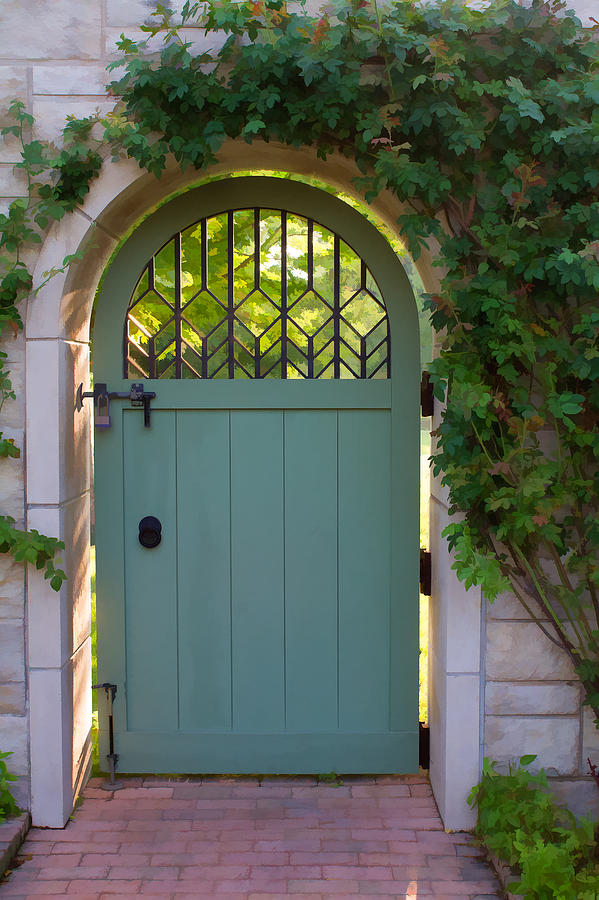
102	397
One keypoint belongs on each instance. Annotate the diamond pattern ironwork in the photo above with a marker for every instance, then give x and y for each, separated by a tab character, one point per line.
256	293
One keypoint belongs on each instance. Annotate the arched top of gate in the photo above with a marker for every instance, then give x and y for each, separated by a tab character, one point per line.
379	273
256	293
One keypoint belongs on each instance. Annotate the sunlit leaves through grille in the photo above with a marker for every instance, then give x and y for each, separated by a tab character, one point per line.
256	293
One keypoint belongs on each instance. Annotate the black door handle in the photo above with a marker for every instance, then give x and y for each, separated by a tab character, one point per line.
150	532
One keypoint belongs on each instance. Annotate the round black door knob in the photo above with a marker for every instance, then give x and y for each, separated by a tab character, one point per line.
150	532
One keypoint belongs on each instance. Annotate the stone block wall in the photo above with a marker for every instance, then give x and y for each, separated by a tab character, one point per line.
533	703
13	686
496	688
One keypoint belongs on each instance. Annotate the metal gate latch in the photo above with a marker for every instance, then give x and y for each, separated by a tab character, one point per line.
102	397
111	756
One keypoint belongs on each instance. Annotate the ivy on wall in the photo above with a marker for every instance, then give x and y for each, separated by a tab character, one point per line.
485	125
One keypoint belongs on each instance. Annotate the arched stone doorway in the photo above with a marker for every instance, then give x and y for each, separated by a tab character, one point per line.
58	492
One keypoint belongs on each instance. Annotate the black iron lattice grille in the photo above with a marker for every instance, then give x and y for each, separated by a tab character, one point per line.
256	294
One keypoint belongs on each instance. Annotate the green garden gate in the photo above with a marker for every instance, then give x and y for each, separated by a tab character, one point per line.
257	524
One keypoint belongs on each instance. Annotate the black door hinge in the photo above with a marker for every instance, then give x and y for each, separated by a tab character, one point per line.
425	572
427	397
424	746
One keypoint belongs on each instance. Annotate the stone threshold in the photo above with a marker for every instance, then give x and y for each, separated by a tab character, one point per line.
12	835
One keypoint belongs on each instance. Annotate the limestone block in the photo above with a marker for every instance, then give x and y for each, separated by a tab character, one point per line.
507	606
13	86
12	651
122	177
12	481
14	346
12	698
13	182
12	587
14	739
590	740
48	611
21	792
436	701
82	708
462	760
76	561
43	416
513	698
579	795
113	35
554	740
50	113
62	29
60	622
13	411
72	79
456	610
584	10
438	607
312	7
199	41
44	310
79	286
519	651
10	149
438	727
50	702
121	13
74	426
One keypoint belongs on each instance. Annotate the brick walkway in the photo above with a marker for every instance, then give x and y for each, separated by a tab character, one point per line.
243	839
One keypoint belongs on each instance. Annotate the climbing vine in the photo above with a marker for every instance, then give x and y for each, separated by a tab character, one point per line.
56	181
484	124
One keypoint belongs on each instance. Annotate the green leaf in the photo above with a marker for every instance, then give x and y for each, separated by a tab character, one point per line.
527	759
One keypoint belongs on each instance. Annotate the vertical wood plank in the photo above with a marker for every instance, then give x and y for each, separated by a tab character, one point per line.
311	569
257	577
110	570
151	575
203	501
364	569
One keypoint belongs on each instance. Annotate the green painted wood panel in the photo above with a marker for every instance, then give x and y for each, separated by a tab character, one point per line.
204	567
377	651
364	570
110	571
257	571
275	752
311	570
264	393
151	575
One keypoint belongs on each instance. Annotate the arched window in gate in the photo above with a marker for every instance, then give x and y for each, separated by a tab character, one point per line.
256	293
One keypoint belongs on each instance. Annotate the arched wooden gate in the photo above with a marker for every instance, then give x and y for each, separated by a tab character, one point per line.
257	522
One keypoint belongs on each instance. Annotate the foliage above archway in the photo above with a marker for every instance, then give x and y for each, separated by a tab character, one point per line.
485	125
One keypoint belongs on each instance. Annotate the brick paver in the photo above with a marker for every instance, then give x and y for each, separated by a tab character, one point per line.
245	838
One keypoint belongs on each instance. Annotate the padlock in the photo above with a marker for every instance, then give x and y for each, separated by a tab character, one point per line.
101	407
